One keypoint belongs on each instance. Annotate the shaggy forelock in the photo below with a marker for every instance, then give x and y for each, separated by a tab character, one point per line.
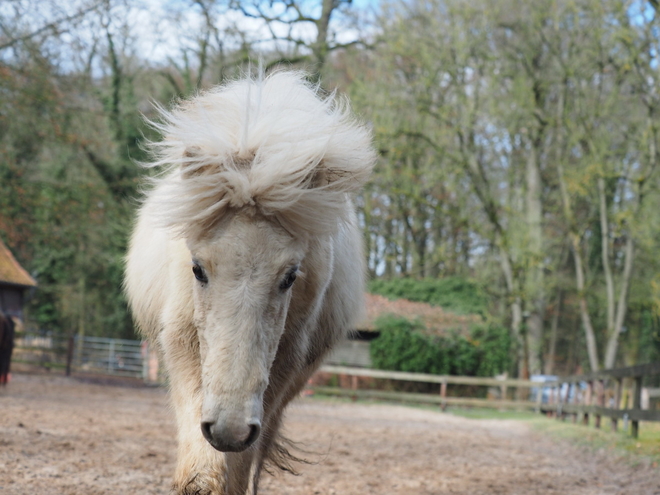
272	146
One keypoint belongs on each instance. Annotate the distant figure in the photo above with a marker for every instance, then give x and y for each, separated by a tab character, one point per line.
7	331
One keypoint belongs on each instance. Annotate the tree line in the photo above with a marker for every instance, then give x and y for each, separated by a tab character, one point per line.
518	149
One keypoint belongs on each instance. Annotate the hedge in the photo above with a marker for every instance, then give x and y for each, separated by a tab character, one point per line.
402	346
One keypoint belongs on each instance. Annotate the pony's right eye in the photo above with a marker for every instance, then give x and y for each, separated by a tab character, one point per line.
199	273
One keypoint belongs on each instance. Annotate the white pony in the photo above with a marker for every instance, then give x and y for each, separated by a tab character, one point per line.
246	265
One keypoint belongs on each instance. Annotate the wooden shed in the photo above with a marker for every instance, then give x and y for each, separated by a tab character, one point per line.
437	321
14	282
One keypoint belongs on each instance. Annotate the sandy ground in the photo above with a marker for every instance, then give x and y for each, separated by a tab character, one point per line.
63	436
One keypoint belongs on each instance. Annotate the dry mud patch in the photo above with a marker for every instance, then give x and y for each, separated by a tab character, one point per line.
62	436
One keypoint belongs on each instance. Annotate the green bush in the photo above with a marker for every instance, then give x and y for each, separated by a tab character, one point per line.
464	356
495	347
452	293
402	346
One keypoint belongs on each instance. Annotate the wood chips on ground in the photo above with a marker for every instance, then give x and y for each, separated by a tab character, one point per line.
62	436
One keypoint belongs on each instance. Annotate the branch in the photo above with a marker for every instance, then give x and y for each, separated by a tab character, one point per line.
286	61
51	25
261	14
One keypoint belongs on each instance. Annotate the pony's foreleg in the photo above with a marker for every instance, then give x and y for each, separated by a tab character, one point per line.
200	469
272	447
238	470
269	435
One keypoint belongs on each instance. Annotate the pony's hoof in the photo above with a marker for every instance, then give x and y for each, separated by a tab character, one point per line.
199	485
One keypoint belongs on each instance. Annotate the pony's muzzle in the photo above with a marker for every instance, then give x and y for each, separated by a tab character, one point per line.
231	424
227	437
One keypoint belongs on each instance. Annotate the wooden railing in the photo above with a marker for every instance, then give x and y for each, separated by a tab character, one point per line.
442	399
598	394
602	394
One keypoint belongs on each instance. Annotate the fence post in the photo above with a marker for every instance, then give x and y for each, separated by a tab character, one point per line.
573	401
354	386
557	401
69	355
443	394
79	352
637	405
587	402
111	351
565	400
539	399
617	400
600	400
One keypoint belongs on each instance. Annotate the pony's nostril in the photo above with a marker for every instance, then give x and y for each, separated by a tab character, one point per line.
206	431
255	429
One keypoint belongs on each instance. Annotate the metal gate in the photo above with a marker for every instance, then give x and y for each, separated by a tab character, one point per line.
120	357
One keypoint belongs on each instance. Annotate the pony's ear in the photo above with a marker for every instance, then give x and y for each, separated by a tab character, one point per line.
324	176
318	177
192	164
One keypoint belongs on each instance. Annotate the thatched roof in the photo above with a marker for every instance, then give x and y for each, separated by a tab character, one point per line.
11	272
436	320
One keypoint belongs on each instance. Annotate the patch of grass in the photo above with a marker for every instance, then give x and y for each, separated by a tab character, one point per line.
483	413
619	443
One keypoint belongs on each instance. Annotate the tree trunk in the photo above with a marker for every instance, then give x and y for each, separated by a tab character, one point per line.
554	327
516	312
622	306
535	278
115	112
390	253
605	254
370	250
320	47
592	348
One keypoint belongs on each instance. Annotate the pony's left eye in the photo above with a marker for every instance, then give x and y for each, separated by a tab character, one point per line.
290	278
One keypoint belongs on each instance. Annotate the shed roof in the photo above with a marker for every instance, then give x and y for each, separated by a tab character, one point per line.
11	272
436	320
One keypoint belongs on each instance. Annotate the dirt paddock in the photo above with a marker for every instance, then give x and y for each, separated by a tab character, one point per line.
64	436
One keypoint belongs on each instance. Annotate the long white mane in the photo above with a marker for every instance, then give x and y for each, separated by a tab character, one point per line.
272	146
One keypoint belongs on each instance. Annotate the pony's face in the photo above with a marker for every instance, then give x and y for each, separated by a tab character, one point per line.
243	276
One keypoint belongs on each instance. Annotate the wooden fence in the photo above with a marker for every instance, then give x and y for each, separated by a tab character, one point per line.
442	399
579	396
603	394
611	393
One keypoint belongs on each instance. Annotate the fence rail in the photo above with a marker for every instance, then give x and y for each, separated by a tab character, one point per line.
426	378
441	399
585	395
579	396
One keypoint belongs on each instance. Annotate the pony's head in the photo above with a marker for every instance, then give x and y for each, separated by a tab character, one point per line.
260	171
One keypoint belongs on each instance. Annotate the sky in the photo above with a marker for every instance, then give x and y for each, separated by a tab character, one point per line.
159	30
162	33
